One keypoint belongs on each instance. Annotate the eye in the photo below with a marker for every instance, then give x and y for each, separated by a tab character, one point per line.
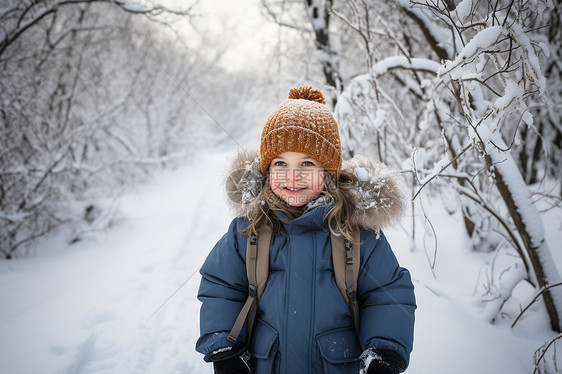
308	163
279	163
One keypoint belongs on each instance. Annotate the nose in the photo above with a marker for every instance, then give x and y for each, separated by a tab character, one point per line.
294	175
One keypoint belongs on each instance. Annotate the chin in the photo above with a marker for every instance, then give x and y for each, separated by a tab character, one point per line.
297	203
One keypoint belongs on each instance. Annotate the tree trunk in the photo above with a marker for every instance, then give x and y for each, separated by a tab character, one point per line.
525	215
319	13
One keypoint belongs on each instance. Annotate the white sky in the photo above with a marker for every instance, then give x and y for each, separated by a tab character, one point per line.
250	35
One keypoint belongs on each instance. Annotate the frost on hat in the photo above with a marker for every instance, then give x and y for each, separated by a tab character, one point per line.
302	123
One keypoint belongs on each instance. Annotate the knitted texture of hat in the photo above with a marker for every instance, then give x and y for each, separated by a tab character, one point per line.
302	123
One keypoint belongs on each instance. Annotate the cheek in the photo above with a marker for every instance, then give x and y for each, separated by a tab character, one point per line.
274	184
317	185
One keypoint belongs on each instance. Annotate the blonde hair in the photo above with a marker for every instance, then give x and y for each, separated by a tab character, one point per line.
338	217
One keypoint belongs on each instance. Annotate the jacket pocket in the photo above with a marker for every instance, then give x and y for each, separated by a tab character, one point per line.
340	350
264	347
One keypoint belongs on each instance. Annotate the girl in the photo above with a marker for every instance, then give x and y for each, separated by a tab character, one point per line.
299	188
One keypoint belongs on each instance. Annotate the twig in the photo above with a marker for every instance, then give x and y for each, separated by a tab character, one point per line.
442	168
538	360
533	301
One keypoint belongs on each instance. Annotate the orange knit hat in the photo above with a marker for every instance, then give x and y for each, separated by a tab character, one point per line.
302	123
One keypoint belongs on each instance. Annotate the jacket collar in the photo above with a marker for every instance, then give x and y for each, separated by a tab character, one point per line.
312	217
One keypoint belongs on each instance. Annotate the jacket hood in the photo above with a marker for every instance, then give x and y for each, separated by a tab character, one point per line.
379	201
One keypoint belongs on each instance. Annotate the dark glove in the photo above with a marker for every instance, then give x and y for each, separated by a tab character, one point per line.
231	360
385	361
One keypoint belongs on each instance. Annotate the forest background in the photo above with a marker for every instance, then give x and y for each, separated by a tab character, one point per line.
97	98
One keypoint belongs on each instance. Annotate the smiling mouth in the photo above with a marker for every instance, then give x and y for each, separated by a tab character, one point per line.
294	189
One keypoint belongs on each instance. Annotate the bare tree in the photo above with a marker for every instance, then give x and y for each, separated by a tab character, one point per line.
457	110
69	70
540	148
317	23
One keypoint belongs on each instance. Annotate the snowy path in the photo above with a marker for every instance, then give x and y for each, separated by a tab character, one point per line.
91	308
104	306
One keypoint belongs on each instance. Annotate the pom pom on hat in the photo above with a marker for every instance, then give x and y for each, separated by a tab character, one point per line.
307	93
304	124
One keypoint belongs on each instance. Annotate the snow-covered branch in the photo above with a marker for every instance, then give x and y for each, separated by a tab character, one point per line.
30	14
67	129
478	86
436	35
402	62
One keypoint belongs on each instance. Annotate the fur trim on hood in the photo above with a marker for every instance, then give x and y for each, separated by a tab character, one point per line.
379	201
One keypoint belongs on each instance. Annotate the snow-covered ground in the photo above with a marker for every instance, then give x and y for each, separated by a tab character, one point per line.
124	301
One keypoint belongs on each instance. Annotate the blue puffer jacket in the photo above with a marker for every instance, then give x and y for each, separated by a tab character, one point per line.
303	323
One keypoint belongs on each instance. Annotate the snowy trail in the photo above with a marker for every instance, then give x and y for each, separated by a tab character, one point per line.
125	301
102	306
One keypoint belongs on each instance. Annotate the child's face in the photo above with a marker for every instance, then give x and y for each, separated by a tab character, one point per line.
296	178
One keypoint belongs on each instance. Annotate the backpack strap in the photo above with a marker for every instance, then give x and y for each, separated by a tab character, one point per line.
257	270
346	258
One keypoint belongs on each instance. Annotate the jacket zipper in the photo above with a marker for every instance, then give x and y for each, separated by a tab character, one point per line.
312	347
